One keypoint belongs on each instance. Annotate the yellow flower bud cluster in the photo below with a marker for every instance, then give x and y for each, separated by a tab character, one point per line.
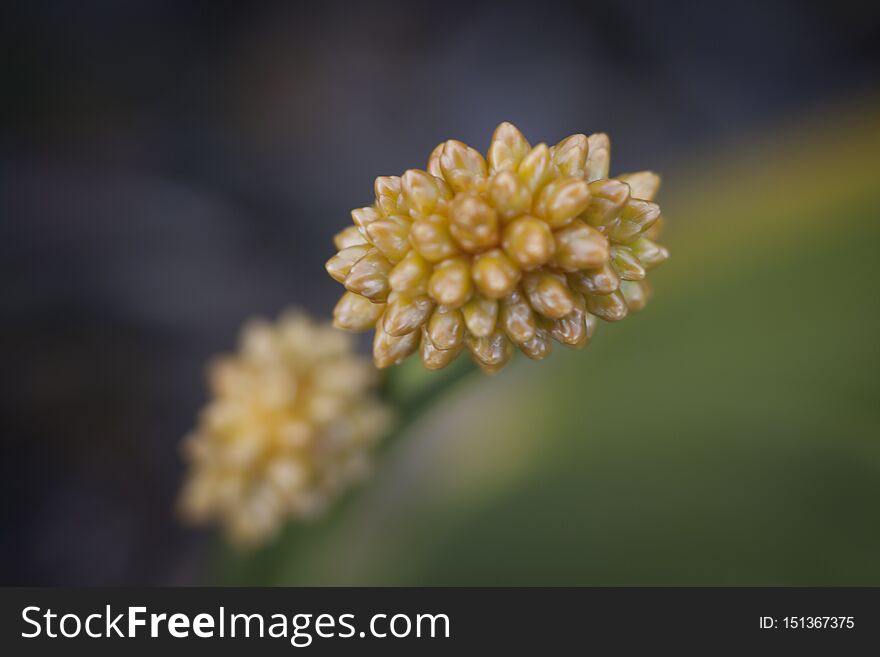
523	247
291	424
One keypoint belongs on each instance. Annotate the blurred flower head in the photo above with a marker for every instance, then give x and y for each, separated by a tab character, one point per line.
523	247
291	423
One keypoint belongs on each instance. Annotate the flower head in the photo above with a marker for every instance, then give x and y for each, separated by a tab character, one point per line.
523	247
291	423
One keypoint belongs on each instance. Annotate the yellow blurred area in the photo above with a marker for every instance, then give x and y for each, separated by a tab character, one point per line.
727	435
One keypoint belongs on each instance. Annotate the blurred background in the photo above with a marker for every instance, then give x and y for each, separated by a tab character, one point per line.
168	169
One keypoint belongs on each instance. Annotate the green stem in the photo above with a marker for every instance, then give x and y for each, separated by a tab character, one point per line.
411	389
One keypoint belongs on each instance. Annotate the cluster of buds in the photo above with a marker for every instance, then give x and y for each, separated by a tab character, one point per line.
291	424
523	247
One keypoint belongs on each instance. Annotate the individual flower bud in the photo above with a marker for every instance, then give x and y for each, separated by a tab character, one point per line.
579	246
643	184
607	198
517	318
291	425
509	195
610	307
434	167
389	350
462	166
561	201
388	196
446	328
626	264
548	293
351	236
570	156
423	192
634	294
480	315
599	157
492	352
634	219
434	358
391	237
535	169
576	328
404	314
539	346
526	246
356	313
410	275
602	280
649	253
430	236
473	222
363	217
494	274
450	284
529	242
507	149
340	265
369	276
